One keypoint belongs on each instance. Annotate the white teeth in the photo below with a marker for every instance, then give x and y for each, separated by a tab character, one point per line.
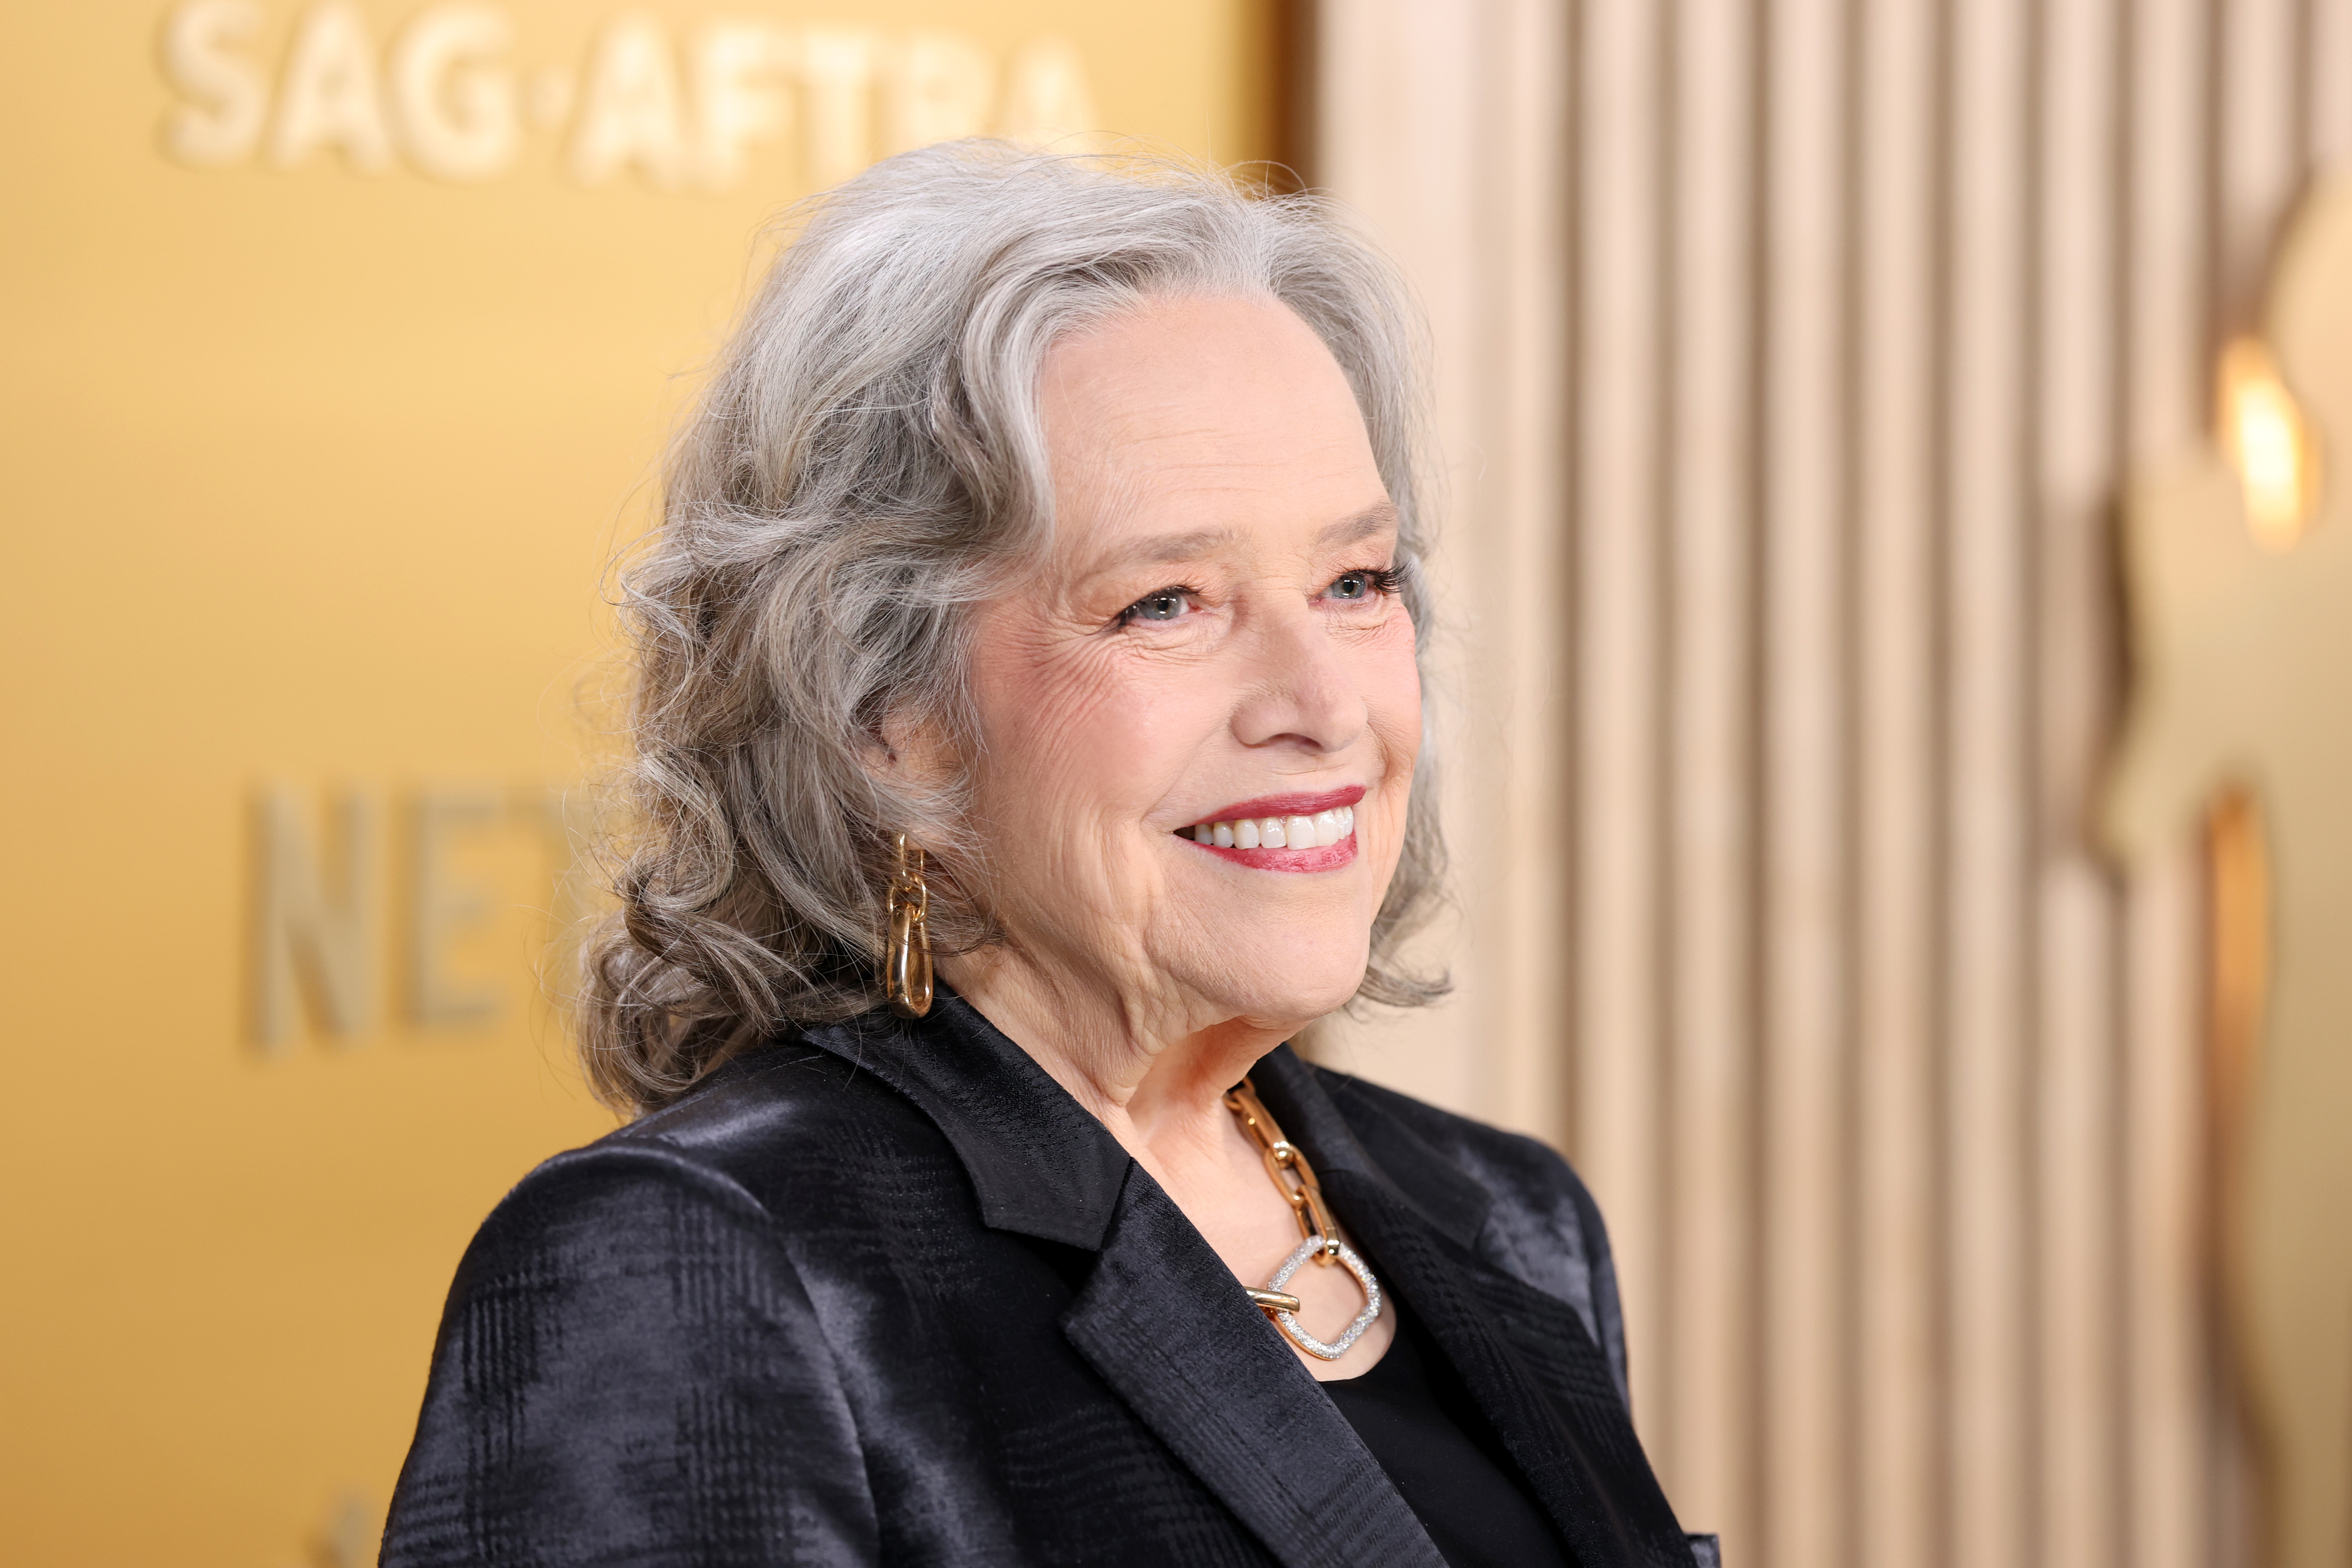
1325	827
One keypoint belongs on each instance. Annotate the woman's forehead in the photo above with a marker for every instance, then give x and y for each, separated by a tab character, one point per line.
1215	382
1181	430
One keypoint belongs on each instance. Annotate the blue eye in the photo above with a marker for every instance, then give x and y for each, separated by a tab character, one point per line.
1162	605
1368	583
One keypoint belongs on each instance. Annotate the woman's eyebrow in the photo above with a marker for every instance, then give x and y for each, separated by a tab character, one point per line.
1165	549
1192	544
1377	517
1158	549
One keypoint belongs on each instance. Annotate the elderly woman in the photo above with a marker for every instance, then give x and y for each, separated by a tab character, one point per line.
1037	594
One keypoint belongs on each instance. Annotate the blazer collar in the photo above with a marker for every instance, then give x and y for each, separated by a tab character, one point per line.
1160	1317
1419	1216
1045	1166
1537	1375
1040	1163
1162	1321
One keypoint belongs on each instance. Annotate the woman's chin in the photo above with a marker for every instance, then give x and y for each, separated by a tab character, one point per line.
1286	997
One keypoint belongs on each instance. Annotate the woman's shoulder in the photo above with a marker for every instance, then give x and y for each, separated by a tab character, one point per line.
631	1356
784	1135
1510	1166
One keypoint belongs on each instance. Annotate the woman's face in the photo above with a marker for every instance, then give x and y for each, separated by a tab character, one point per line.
1213	640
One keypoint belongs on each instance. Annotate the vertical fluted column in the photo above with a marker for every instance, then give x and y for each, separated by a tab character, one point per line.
2165	357
1443	127
1620	558
2074	1082
1899	1495
2326	67
1805	714
1712	1244
1987	763
2260	162
1866	311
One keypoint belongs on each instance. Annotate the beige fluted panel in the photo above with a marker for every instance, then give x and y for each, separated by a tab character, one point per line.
2165	355
2261	143
1394	126
1897	1492
2167	337
1804	917
1449	140
2079	1471
1617	513
1711	1322
1986	764
1523	51
1889	1088
2329	81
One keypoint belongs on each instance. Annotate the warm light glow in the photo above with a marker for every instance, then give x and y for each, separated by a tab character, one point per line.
2270	444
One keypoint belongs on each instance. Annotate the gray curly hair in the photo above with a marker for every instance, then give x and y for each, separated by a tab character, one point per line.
866	463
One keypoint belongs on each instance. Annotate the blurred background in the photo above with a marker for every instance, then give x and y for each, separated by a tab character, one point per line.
1893	695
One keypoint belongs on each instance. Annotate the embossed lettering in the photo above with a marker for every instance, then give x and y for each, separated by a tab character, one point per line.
631	113
453	94
312	934
329	99
221	123
442	910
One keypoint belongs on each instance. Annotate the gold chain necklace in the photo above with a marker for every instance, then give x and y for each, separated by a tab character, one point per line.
1294	1178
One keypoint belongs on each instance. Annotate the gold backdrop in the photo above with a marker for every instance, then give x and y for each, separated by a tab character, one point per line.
341	341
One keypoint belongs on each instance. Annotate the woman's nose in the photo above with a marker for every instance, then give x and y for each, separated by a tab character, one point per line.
1298	690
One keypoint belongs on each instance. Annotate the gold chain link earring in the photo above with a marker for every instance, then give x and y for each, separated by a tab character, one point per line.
907	967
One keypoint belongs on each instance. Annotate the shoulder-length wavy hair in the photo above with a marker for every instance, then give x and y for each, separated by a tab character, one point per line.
867	463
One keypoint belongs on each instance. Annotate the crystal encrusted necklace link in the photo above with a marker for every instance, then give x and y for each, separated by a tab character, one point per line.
1294	1178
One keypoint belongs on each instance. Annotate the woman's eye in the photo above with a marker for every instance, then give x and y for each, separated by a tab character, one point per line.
1164	604
1354	587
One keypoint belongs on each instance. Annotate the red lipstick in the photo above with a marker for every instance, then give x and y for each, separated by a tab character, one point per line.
1287	805
1319	857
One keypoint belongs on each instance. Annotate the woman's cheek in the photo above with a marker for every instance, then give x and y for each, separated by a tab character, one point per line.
1392	695
1042	701
1101	736
1395	704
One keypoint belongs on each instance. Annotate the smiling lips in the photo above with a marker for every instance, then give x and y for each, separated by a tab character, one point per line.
1284	833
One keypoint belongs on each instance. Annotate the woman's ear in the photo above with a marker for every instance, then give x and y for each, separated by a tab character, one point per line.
910	751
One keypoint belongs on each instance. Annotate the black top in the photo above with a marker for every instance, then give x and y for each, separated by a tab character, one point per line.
884	1293
1414	1412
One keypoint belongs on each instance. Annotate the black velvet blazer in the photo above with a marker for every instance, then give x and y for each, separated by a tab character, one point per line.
885	1293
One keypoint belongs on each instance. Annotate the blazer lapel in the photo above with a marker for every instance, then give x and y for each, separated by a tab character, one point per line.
1529	1359
1163	1321
1535	1372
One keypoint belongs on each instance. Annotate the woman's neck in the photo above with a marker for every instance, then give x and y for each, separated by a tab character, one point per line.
1154	1071
1156	1076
